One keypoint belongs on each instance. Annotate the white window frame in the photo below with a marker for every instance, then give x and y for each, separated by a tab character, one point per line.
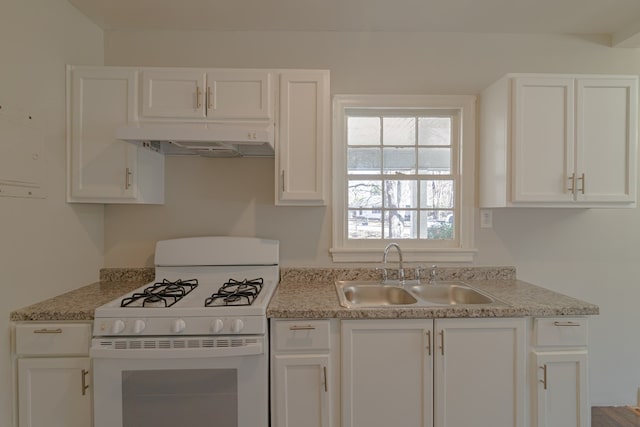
351	250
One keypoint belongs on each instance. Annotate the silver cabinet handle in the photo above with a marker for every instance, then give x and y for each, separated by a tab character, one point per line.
127	178
572	178
283	188
209	98
84	382
198	95
48	331
569	323
429	343
302	328
581	178
442	342
326	380
544	376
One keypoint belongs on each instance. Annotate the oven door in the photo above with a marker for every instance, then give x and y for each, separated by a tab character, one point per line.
168	382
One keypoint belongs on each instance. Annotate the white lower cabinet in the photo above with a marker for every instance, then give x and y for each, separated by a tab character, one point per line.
387	373
53	392
303	389
560	392
430	373
53	374
446	373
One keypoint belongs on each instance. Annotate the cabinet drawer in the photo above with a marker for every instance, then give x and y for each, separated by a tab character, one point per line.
301	335
560	331
53	338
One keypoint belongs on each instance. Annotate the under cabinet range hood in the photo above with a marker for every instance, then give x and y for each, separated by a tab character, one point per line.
209	140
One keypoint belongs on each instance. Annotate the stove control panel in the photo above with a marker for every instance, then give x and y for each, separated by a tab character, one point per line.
233	325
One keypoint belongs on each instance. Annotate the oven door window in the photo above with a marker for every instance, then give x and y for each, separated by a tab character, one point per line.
185	397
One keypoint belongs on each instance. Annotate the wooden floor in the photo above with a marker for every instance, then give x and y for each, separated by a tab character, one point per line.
614	416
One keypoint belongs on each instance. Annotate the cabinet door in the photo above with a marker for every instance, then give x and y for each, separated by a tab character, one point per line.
387	373
239	94
303	139
54	392
562	392
301	391
173	93
606	140
543	139
101	167
479	372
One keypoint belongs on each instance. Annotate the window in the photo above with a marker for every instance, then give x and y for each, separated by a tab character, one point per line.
398	176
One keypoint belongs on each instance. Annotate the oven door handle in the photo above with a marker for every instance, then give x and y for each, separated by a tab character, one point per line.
176	353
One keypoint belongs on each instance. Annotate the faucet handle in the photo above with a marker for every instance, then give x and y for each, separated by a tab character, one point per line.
418	273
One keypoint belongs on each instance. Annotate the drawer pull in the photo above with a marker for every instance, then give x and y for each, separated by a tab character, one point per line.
48	331
302	328
566	323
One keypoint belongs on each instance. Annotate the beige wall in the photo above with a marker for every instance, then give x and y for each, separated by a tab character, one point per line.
590	254
46	245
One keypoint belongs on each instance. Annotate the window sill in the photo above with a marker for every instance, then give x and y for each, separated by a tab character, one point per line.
409	255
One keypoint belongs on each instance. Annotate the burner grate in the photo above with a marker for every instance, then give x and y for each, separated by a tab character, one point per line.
160	294
234	292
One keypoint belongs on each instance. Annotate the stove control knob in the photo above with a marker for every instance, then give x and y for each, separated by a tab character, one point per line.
236	325
117	327
217	325
178	325
138	326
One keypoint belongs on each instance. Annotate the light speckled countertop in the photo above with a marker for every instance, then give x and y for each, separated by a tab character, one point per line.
81	303
310	293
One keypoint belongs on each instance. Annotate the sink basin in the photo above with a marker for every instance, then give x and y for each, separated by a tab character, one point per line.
450	294
373	295
354	294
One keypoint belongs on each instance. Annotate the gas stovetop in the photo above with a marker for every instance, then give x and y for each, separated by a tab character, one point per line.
193	295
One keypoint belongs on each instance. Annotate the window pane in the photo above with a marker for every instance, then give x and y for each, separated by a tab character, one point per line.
364	160
434	131
400	224
363	130
401	160
434	161
399	131
431	227
396	226
400	194
365	194
365	224
437	194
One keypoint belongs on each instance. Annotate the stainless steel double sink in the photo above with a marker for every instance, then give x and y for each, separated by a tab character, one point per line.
358	294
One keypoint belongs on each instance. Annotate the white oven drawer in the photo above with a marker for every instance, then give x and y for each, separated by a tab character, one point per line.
53	338
560	331
301	335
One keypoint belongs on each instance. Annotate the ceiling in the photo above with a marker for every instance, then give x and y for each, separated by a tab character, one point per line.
618	18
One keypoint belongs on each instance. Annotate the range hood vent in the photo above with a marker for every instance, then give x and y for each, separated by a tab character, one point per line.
209	140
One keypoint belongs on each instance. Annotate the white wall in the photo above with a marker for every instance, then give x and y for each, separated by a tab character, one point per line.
46	246
589	254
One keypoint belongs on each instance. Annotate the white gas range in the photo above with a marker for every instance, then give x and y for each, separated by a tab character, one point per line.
194	340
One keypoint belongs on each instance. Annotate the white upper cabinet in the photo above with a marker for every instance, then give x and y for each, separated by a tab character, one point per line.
293	105
102	169
303	140
207	94
559	141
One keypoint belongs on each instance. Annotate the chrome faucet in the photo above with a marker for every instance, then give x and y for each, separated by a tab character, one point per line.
400	267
